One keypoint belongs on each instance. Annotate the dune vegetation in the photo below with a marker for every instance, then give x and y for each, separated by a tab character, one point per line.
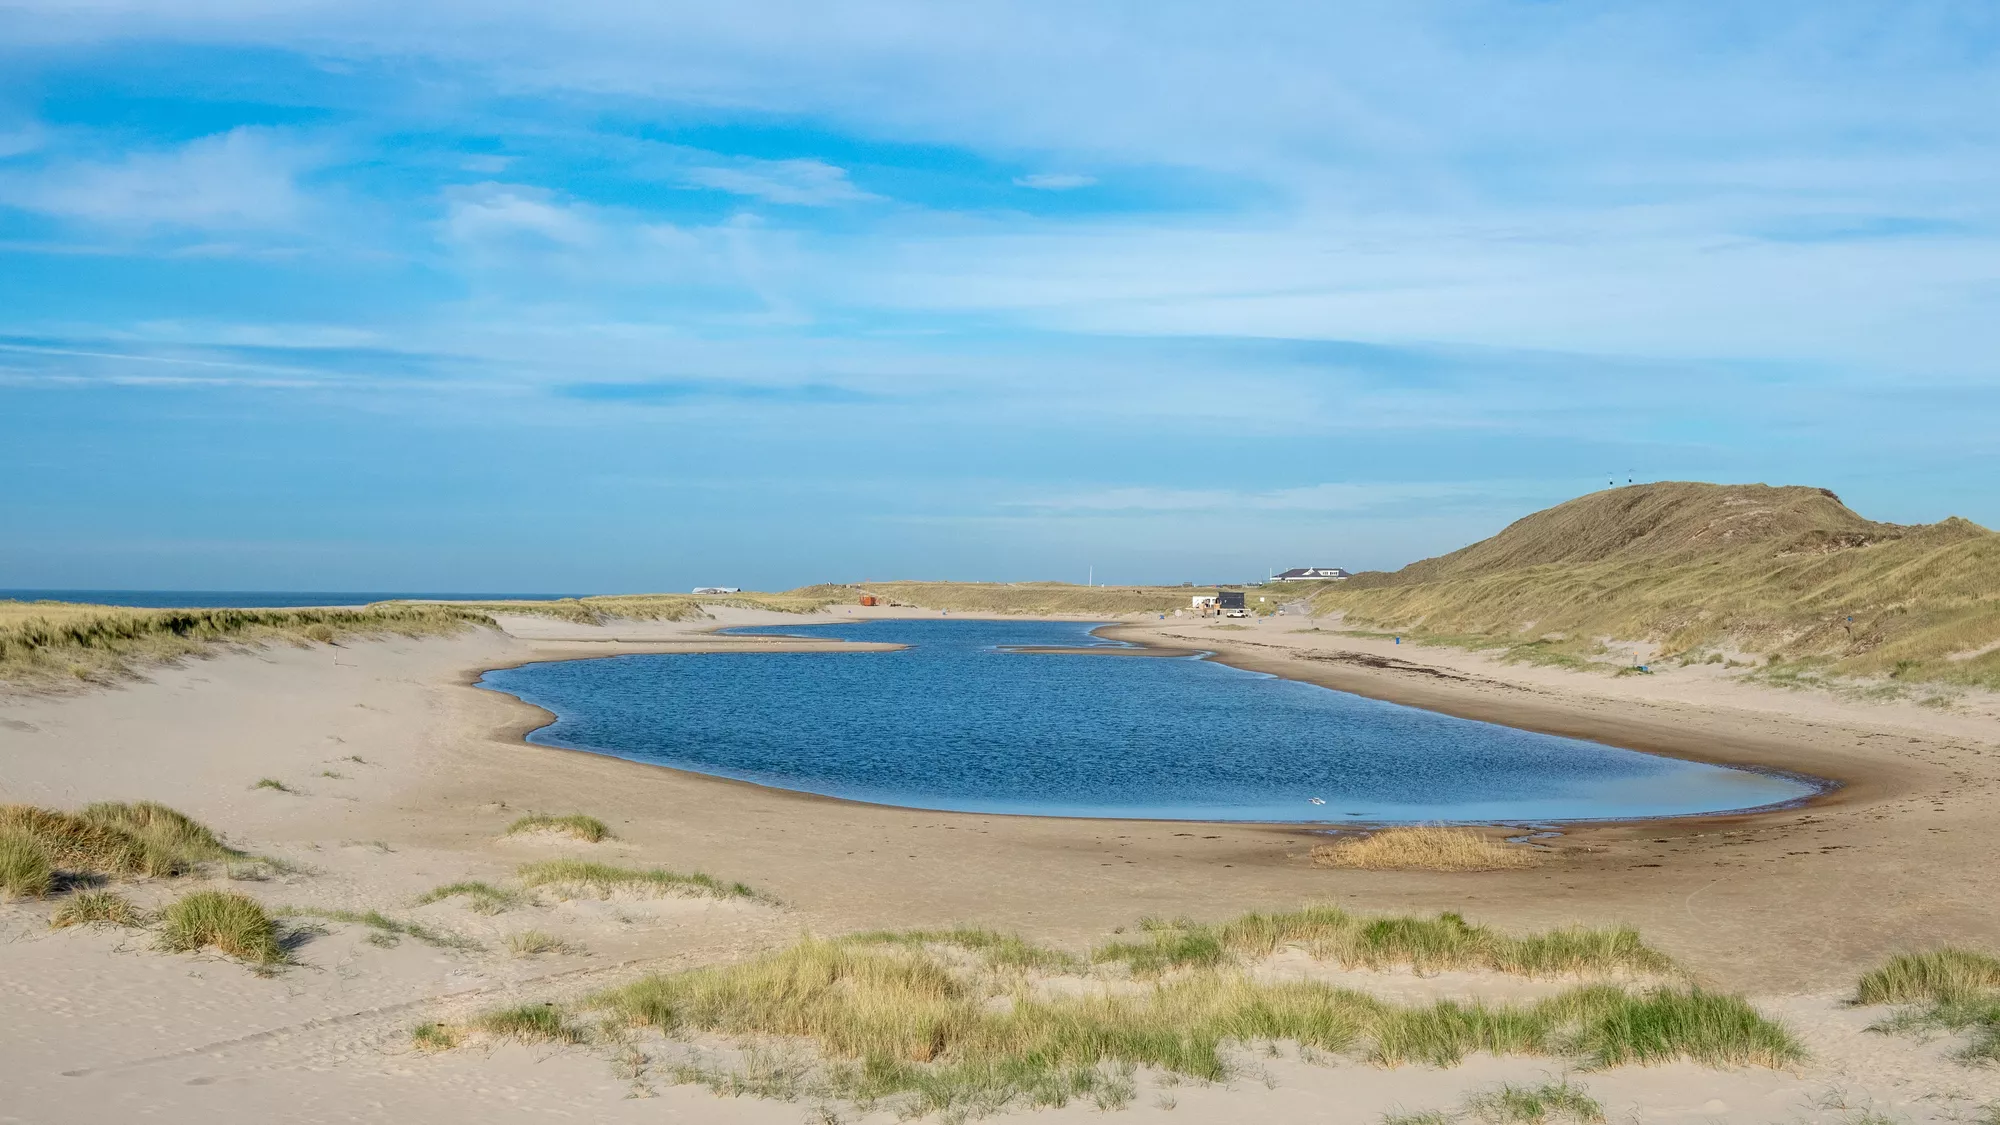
481	897
1709	573
97	908
40	641
601	608
1030	598
967	1022
1423	848
231	923
1361	941
589	829
578	878
113	839
1942	989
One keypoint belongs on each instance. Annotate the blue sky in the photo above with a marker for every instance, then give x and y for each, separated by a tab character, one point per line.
615	296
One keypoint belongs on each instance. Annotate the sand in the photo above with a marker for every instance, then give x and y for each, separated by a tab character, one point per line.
1788	907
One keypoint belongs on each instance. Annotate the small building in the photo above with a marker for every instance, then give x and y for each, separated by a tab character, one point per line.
1229	599
1202	601
1311	574
718	589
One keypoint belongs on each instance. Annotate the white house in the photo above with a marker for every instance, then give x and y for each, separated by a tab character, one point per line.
718	589
1311	574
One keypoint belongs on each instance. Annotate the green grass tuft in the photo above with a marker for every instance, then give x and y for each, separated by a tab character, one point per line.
1360	941
530	943
97	908
387	929
1949	989
1940	975
998	950
530	1023
482	898
582	877
1537	1105
1666	1025
436	1036
232	923
25	871
586	828
273	783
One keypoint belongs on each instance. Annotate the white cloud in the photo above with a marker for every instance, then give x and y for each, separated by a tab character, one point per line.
1054	181
242	178
492	212
803	183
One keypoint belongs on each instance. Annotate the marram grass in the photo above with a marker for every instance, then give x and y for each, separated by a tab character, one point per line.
589	829
578	878
1948	989
231	923
117	839
1423	848
25	870
1447	941
97	908
954	1021
892	1020
1536	1105
480	897
41	641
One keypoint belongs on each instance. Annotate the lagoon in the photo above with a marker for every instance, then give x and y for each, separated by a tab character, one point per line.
960	721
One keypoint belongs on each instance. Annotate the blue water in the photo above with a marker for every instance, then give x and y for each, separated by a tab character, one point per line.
246	599
957	722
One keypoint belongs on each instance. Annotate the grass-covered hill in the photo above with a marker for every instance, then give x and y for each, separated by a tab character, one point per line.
1791	575
1029	597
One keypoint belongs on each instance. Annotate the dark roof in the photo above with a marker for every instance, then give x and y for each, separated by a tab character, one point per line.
1313	572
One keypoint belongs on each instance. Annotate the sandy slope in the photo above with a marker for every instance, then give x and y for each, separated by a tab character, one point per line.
98	1027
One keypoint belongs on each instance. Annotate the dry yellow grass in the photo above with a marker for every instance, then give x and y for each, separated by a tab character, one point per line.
1425	848
114	839
1785	573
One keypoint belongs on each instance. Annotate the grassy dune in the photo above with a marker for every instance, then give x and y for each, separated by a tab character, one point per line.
1707	569
40	641
598	609
1033	597
902	1023
968	1022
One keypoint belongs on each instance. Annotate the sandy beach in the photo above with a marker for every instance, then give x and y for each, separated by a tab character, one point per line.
404	776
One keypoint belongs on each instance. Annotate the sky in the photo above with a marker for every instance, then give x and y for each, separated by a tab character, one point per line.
618	296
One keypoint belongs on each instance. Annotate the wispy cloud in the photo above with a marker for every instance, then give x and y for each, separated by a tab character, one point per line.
1054	181
244	178
487	212
798	183
669	391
